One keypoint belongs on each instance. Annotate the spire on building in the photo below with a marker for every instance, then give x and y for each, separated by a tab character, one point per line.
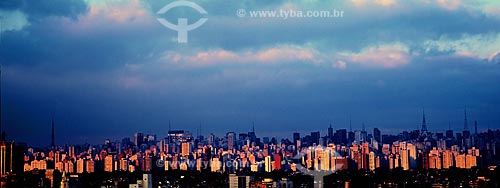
475	127
424	124
350	124
363	127
253	127
466	126
52	143
199	130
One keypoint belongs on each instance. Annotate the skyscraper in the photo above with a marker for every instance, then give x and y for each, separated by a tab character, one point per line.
230	140
340	136
376	134
296	136
138	138
330	132
466	126
267	164
475	127
466	132
315	137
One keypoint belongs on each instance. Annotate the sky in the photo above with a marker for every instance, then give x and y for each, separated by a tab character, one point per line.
107	69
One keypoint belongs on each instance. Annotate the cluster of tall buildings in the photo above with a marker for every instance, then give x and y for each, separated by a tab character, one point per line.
245	152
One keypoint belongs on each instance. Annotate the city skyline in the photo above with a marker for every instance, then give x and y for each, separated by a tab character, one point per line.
105	69
250	93
247	160
285	134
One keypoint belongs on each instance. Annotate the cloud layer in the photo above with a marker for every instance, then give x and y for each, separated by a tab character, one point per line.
110	66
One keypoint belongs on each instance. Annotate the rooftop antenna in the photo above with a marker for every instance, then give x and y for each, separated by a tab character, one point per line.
253	127
350	124
52	143
199	130
475	127
424	123
466	127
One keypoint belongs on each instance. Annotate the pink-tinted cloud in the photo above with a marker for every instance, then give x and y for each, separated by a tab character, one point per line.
494	57
385	3
271	55
340	65
449	4
117	11
386	56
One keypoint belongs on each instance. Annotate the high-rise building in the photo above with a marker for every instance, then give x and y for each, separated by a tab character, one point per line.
449	134
233	181
230	140
460	161
80	164
186	149
90	166
315	137
267	164
471	161
330	133
138	139
404	156
412	154
296	137
371	162
325	159
11	158
341	136
277	161
147	181
124	164
466	131
359	136
239	181
447	159
377	135
109	163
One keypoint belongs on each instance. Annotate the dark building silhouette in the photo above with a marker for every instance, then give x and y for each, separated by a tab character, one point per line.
330	132
377	135
315	137
340	136
11	158
296	136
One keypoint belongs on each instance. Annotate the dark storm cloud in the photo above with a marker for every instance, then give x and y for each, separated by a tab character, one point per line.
108	69
40	9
